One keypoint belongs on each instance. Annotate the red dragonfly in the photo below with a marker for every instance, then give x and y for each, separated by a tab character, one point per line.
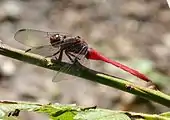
52	44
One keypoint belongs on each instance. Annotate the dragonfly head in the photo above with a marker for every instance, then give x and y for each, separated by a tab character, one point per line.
56	39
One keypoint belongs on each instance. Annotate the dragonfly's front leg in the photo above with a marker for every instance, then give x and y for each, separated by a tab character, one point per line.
60	52
59	59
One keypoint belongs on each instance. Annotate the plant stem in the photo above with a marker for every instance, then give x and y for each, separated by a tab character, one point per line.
83	72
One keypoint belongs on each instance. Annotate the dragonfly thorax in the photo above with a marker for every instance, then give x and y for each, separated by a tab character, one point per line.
76	45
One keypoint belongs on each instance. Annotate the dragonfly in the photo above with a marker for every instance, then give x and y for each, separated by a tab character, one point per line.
75	48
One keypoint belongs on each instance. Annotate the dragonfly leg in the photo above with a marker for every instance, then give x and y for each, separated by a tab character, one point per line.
76	57
73	55
75	60
83	52
68	55
60	55
59	59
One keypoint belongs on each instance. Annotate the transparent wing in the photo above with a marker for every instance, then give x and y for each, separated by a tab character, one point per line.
47	50
38	40
84	61
60	76
33	38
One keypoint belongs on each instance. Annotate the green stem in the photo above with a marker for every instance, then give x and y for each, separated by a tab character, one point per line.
83	72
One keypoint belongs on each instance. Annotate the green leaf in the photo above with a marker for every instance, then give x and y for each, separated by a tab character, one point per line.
59	112
63	115
100	115
72	112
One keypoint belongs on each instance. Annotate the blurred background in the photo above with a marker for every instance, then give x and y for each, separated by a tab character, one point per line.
134	32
